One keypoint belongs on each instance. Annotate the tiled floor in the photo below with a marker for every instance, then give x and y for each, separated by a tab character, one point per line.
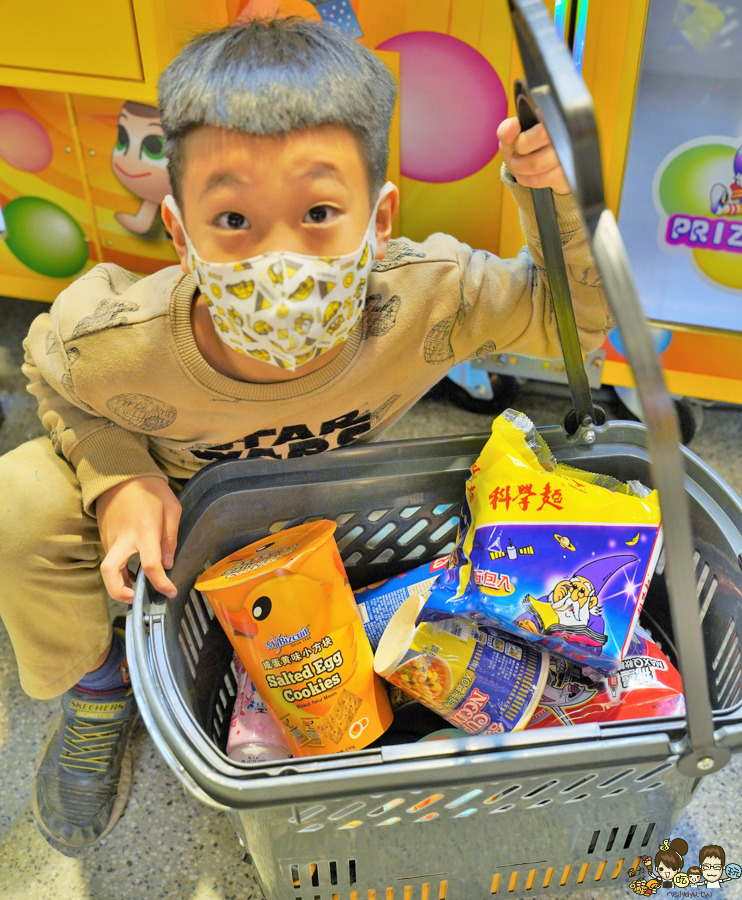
168	845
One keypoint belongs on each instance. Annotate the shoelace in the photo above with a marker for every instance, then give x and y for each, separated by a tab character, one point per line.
89	746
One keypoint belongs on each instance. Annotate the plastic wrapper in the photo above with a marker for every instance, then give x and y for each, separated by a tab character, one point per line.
378	602
561	556
287	608
646	685
481	681
253	735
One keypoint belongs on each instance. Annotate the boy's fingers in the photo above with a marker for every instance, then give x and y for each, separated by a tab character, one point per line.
546	179
112	570
533	139
150	554
543	160
508	131
170	534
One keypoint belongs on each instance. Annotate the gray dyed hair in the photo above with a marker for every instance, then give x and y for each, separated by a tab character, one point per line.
274	77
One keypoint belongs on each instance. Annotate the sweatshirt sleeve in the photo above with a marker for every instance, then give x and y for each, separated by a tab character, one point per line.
102	453
506	303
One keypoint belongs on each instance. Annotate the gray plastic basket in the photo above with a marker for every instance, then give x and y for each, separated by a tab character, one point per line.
542	811
522	813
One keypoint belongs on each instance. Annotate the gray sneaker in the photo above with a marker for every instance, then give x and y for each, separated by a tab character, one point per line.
84	778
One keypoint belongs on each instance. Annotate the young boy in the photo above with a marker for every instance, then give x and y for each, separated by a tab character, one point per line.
293	326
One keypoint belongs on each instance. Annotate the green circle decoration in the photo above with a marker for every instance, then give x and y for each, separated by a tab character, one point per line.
45	237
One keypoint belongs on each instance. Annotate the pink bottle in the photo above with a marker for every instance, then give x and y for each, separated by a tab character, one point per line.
253	735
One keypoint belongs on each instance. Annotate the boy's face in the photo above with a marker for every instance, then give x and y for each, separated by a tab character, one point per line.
306	192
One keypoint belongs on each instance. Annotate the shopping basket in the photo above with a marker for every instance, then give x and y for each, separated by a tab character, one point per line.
517	814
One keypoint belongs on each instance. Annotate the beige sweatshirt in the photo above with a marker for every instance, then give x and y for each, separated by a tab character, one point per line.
125	392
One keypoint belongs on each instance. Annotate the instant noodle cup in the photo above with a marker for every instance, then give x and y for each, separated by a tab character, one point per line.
646	685
288	610
482	682
561	556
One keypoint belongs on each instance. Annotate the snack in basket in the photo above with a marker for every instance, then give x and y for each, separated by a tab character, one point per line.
253	734
378	602
289	612
561	556
479	681
646	685
445	734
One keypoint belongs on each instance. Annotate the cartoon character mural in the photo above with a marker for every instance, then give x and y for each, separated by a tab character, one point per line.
571	609
728	202
139	162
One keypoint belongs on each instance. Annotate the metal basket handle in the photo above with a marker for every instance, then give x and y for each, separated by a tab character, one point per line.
554	94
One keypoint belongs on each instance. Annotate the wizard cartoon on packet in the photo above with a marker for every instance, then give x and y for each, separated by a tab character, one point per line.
560	556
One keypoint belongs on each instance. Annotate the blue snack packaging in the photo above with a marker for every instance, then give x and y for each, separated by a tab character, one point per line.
559	556
378	602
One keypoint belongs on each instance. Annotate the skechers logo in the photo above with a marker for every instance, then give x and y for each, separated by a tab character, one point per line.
97	707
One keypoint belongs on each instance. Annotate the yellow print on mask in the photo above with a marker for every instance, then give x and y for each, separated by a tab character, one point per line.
220	323
235	316
305	357
332	308
304	289
216	291
261	327
282	311
364	258
275	273
283	334
359	289
348	280
214	275
303	323
242	290
334	325
260	354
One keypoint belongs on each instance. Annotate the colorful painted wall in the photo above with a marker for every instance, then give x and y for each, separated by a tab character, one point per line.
81	176
82	170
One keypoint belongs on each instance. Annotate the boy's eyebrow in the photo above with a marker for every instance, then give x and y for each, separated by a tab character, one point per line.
218	178
321	170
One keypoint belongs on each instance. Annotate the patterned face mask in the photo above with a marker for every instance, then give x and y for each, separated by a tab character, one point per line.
285	309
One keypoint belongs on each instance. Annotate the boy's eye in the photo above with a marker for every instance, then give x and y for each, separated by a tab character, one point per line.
122	140
318	215
233	221
153	146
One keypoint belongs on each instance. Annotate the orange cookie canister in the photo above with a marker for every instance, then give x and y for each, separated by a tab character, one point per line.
289	612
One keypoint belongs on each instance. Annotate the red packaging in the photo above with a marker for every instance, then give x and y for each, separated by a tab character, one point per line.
646	685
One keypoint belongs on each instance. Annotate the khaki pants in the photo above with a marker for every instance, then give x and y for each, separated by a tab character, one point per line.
52	598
